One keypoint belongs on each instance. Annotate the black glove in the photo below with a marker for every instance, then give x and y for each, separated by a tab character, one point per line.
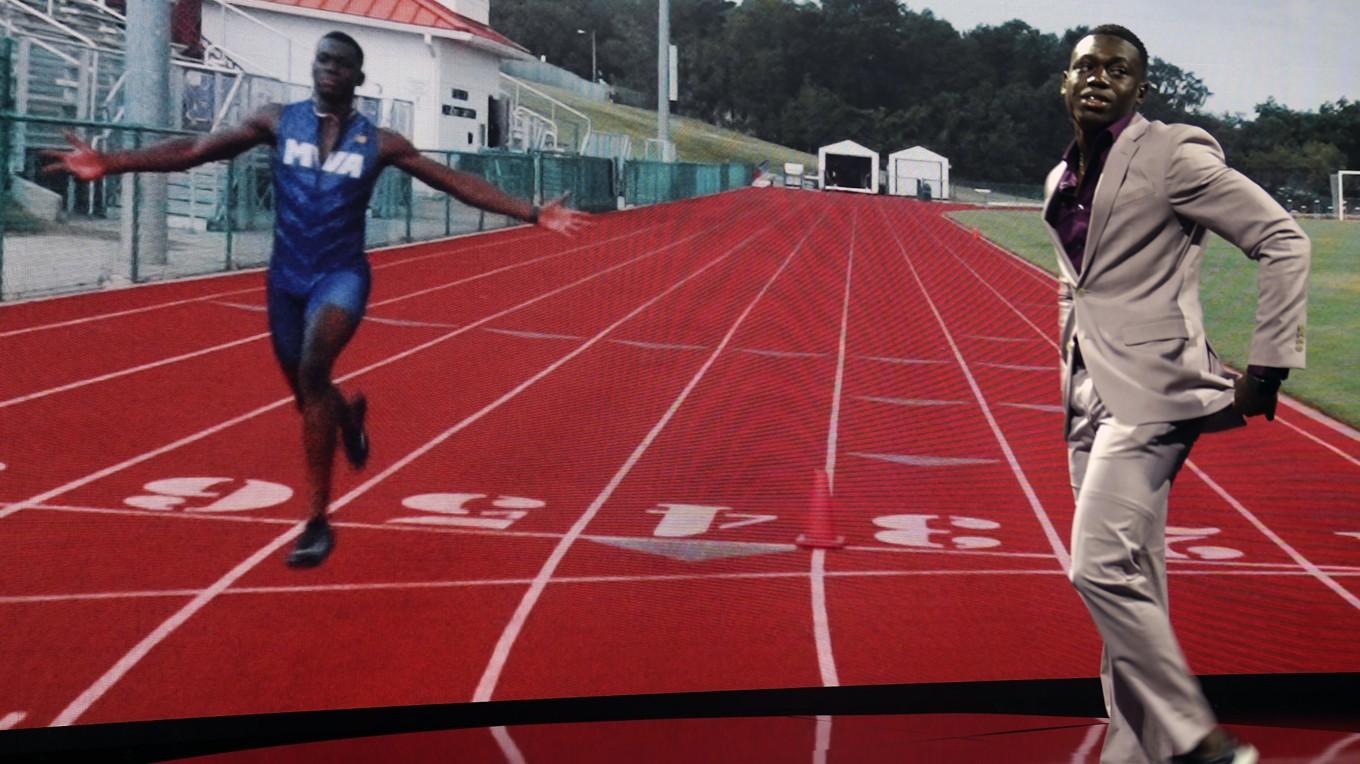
1253	395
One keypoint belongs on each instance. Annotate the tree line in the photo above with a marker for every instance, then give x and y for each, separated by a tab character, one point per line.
804	75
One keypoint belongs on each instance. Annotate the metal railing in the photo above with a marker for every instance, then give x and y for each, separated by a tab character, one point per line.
515	88
222	43
58	234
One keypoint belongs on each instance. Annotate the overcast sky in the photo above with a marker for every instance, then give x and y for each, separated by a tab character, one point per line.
1302	52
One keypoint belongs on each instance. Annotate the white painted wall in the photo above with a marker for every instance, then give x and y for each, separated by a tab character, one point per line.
915	165
477	10
475	71
397	65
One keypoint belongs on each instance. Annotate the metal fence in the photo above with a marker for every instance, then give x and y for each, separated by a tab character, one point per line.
589	180
58	234
647	182
547	74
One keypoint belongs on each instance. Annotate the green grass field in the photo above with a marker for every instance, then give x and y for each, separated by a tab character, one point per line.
695	141
1228	291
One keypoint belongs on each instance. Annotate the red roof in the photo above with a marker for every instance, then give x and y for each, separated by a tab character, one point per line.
425	13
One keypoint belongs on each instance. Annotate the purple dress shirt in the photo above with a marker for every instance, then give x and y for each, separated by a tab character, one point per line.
1070	212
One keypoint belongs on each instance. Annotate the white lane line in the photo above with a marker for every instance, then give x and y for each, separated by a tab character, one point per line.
925	461
1318	440
780	353
128	312
1038	274
130	370
903	361
1303	562
658	345
1313	569
242	306
486	686
414	324
1276	567
1088	743
136	594
907	401
833	429
1044	407
1000	339
1018	366
207	432
1340	427
131	594
139	651
248	290
504	268
12	719
533	335
1059	550
1336	749
822	743
821	621
254	337
1335	425
507	745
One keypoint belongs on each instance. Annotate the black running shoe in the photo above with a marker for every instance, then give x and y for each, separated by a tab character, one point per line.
313	546
1233	751
355	436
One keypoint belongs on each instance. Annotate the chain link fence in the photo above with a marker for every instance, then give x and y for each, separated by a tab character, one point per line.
648	182
59	234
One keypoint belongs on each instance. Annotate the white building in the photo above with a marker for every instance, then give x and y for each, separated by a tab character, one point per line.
441	55
910	169
847	166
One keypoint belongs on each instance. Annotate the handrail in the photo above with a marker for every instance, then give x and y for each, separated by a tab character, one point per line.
16	34
9	116
33	11
556	103
288	40
232	56
228	101
546	127
113	91
101	6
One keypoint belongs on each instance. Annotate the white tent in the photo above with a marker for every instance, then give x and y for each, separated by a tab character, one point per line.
911	168
848	166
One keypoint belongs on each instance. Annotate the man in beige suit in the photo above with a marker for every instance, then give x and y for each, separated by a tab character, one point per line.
1129	209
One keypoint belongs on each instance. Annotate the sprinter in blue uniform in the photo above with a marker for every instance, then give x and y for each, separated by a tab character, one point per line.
327	157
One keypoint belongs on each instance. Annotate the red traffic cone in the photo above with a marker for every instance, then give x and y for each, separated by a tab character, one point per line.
820	534
977	234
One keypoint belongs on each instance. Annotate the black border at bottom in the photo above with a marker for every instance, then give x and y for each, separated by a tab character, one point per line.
1323	701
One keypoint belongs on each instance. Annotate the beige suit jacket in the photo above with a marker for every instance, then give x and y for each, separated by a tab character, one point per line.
1134	307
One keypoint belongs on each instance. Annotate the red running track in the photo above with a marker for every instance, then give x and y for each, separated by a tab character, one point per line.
592	458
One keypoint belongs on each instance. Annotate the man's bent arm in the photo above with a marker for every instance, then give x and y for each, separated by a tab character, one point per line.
1204	189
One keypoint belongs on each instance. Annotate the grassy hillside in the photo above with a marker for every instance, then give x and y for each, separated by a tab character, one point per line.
695	141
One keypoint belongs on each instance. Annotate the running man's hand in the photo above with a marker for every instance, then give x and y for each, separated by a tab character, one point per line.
560	219
1253	395
84	162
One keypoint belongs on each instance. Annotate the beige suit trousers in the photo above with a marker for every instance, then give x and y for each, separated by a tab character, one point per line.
1121	477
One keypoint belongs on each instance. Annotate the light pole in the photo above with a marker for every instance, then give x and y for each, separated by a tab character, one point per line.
594	72
663	72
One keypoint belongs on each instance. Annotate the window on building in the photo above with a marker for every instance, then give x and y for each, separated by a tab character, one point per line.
460	94
459	111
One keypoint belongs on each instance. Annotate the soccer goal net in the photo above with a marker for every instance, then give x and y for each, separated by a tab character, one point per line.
1340	181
